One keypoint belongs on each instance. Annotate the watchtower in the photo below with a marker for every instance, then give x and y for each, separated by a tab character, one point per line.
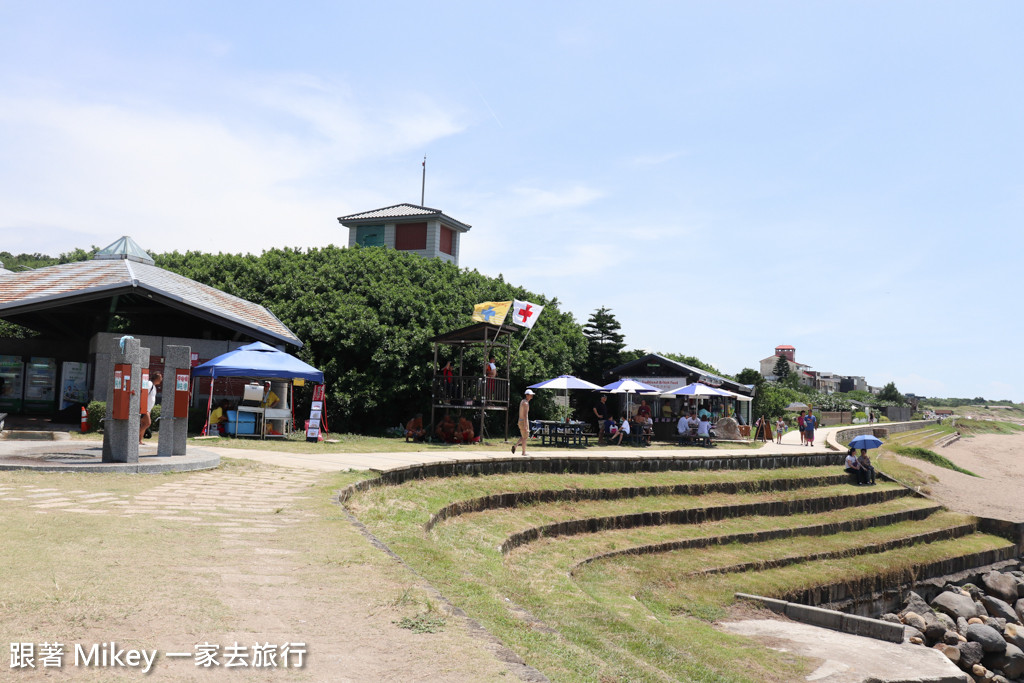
407	227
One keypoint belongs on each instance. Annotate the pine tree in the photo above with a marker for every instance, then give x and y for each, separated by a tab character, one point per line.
781	369
604	344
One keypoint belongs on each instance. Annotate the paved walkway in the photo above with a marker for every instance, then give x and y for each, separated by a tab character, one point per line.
332	462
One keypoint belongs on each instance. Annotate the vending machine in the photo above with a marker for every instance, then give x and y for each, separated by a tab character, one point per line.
40	385
12	375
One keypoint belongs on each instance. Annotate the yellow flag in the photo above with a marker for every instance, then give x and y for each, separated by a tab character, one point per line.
493	312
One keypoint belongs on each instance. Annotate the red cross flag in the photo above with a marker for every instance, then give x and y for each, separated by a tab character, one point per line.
524	313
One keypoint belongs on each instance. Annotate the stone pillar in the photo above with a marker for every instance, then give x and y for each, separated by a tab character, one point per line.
121	436
174	430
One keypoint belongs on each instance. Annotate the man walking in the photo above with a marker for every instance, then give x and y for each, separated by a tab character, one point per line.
524	421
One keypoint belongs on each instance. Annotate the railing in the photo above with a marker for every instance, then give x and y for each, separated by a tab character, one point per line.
469	390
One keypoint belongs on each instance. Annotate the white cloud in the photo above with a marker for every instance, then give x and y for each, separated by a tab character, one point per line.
174	178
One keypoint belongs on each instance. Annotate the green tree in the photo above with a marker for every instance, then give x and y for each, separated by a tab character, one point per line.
781	369
604	344
890	393
750	376
366	317
694	362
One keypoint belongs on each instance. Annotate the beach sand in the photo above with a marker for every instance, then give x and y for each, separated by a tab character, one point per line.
998	491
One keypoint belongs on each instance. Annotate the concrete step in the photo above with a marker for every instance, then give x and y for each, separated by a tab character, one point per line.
24	435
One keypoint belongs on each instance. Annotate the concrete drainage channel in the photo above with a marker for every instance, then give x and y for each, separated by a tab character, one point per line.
828	618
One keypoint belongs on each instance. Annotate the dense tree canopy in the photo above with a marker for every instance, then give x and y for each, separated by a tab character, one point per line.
366	316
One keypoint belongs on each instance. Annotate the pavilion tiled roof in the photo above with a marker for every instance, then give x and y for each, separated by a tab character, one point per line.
402	211
43	287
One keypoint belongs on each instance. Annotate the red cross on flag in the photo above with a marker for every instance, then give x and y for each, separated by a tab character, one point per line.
524	313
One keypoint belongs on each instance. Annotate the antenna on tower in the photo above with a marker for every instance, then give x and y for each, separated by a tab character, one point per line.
423	185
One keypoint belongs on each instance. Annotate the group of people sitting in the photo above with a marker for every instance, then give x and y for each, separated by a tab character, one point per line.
694	425
447	431
639	426
860	467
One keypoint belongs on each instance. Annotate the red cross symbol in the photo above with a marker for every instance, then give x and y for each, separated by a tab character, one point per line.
526	312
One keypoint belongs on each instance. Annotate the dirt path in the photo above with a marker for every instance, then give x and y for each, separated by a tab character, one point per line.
997	491
235	559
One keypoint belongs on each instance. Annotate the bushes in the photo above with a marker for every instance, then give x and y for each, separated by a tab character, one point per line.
97	411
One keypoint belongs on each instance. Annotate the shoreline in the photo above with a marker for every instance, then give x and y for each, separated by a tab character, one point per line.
997	491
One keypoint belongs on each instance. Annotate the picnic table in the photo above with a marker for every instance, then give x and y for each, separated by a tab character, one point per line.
563	433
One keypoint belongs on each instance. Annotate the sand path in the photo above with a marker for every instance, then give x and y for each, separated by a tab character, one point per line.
997	491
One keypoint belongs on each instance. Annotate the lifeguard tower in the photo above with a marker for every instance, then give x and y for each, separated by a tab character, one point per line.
468	388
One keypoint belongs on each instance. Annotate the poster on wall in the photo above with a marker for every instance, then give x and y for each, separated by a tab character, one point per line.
74	383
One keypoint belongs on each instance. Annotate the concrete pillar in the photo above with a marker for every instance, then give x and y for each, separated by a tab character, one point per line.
121	436
174	430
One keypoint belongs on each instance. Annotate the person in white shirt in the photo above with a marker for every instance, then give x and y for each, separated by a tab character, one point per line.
144	419
683	426
623	431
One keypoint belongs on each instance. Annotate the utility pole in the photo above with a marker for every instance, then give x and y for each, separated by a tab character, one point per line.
423	185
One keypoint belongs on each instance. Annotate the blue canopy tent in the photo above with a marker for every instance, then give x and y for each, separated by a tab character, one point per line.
259	361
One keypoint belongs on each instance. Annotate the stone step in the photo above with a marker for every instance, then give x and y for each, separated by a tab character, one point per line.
26	435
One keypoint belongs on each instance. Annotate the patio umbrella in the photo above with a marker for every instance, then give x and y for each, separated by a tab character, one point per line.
565	382
865	441
795	406
696	390
628	387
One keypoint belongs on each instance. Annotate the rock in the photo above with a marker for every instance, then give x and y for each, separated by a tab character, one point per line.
998	608
914	603
1018	607
1002	586
911	632
1000	679
951	652
989	638
979	670
934	632
961	625
975	620
1010	662
946	621
1014	634
891	618
970	654
728	428
955	605
916	620
972	590
995	622
914	640
951	638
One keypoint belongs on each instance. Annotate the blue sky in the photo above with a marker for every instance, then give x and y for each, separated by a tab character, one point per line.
845	177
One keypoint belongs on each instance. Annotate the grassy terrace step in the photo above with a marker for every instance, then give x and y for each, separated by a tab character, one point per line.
437	493
693	510
745	530
513	499
656	578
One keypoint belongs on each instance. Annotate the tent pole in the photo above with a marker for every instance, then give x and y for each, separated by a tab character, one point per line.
209	405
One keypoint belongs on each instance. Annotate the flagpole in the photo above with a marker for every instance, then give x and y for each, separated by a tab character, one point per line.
528	331
423	184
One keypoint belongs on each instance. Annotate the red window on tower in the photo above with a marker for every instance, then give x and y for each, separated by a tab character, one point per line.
411	236
447	240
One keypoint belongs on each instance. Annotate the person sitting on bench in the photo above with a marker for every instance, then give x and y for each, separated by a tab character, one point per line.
623	431
704	428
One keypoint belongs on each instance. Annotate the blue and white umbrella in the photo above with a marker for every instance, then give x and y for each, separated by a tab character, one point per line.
865	441
628	387
565	382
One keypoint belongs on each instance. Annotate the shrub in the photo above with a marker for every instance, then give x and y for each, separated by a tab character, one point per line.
860	415
883	418
155	414
97	411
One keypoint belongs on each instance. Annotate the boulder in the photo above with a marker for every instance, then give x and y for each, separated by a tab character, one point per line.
914	603
951	638
916	620
935	632
1014	634
975	620
915	640
955	605
970	654
909	633
951	652
998	608
1010	662
891	618
961	625
946	621
1002	586
995	622
989	638
1018	607
979	671
728	428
